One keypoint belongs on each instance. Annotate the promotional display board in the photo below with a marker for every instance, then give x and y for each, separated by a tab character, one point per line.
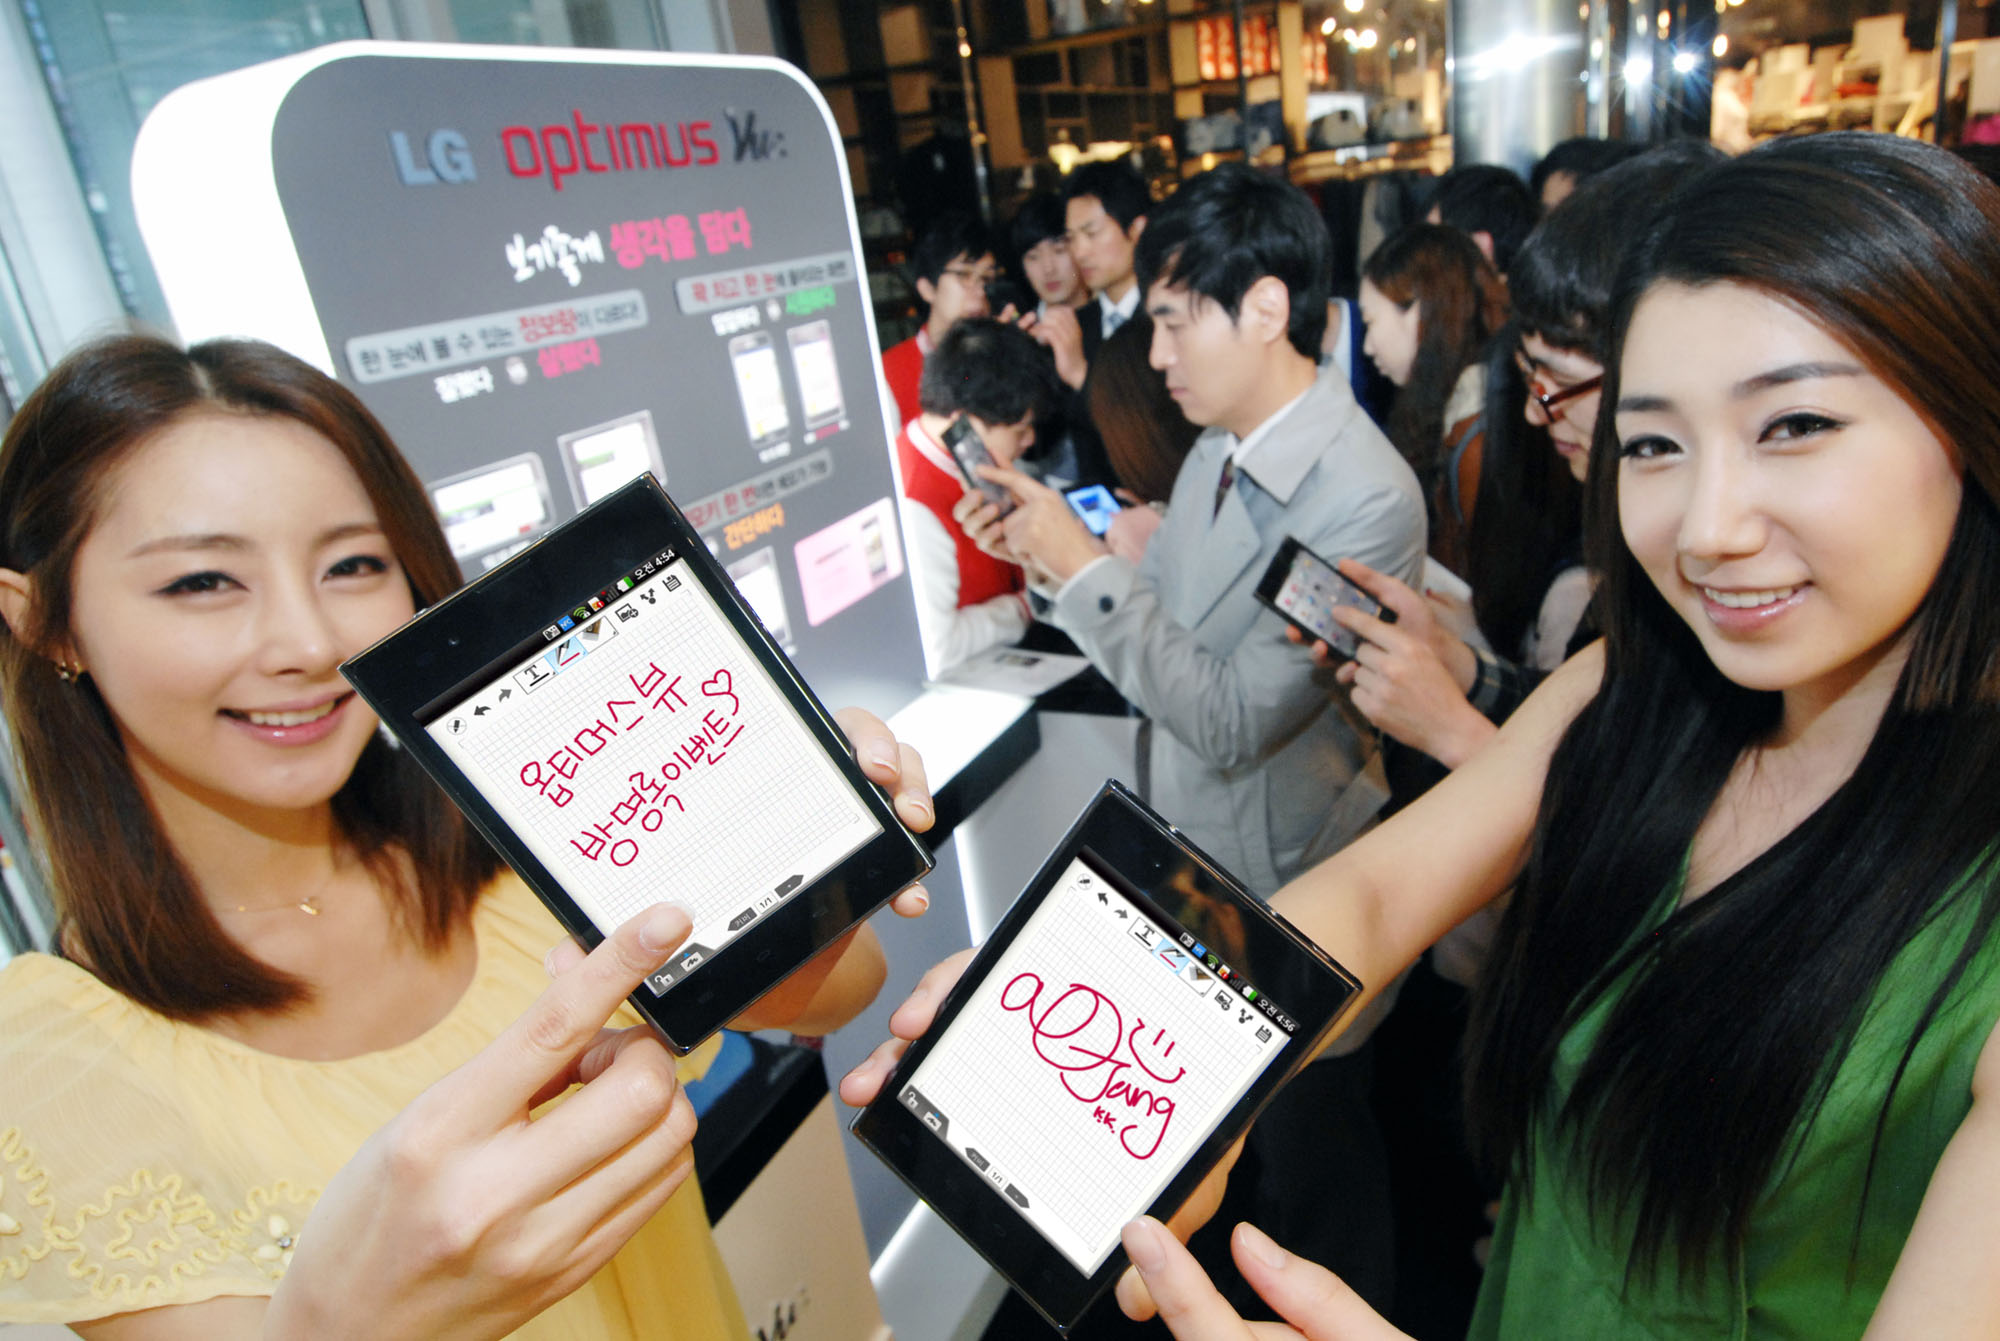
547	271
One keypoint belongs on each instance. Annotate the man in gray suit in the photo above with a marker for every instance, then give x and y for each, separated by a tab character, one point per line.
1256	754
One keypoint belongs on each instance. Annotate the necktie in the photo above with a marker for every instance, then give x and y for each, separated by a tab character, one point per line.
1222	485
1111	321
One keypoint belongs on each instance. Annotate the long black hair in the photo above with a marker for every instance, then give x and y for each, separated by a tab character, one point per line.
1749	996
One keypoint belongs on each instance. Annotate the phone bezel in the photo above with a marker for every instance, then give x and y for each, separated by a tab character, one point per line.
1273	581
1157	868
448	652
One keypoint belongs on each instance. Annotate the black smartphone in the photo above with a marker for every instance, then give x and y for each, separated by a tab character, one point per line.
1095	505
1125	1022
968	449
1306	589
1007	291
607	710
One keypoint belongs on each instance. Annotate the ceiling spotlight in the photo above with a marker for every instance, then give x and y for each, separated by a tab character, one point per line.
1352	6
1685	61
1327	26
1721	46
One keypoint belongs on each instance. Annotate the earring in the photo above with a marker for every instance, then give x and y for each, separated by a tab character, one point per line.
67	673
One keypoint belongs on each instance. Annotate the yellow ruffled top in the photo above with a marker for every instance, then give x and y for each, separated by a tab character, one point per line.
145	1162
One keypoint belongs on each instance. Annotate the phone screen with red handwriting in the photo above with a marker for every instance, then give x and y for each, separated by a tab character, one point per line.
1126	1019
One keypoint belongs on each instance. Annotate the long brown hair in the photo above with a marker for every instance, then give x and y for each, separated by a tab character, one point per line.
128	907
1463	305
1146	437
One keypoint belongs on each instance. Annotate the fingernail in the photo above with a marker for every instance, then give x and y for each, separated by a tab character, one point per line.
923	899
1143	1245
923	808
663	928
1262	1246
883	753
549	962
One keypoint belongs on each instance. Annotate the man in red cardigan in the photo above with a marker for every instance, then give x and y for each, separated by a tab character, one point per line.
951	265
997	377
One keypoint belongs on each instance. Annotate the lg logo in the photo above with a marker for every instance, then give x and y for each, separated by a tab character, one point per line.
448	158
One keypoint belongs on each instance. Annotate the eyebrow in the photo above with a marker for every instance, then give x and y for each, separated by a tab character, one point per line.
1750	386
218	540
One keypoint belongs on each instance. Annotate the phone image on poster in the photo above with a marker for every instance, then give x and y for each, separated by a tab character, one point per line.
819	374
491	506
602	458
757	581
761	387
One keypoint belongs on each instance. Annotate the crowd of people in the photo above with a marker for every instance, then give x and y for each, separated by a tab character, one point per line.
1666	746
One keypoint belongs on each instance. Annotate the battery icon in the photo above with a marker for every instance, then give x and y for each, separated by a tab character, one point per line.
624	584
1249	994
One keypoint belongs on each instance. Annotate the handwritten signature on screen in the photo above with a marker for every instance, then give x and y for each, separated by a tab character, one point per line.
1081	1033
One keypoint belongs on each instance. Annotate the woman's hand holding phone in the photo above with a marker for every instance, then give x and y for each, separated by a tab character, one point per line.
1316	1304
908	1023
467	1215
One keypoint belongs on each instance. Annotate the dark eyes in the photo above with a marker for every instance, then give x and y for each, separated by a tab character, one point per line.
1795	427
1803	424
358	565
195	584
1647	447
206	583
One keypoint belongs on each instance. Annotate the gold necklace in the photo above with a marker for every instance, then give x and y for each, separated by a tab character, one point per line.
309	905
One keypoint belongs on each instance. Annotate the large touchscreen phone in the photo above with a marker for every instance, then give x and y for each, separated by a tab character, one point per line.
608	711
1128	1017
1306	590
969	450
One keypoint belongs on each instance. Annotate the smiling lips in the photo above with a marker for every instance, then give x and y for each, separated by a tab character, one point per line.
291	726
1748	600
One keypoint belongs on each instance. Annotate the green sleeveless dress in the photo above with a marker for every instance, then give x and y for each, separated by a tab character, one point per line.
1553	1273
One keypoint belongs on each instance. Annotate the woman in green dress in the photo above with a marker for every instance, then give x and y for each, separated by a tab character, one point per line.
1732	1052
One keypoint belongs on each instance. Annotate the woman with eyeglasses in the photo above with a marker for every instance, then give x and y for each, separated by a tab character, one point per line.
1418	679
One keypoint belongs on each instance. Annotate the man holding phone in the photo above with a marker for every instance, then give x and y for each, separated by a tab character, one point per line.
1257	755
983	388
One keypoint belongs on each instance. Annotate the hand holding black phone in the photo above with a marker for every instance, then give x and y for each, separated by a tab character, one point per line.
1306	590
968	449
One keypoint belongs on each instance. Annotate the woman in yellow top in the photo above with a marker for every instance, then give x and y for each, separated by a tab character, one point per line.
287	1077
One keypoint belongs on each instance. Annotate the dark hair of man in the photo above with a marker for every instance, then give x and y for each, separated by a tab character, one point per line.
1582	158
1146	437
1486	198
1227	228
1039	219
1561	279
128	907
952	236
1115	185
1462	305
1740	1004
1526	517
991	370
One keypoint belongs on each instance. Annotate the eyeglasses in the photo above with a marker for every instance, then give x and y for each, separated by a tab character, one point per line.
966	274
1552	401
